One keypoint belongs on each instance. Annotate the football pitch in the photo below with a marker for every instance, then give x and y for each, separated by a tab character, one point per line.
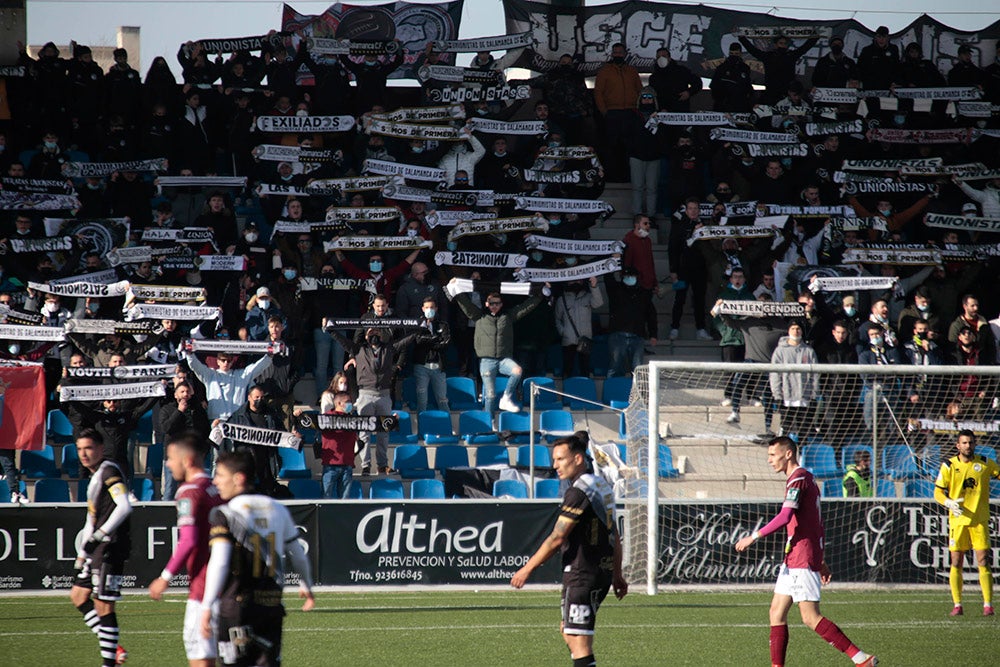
904	628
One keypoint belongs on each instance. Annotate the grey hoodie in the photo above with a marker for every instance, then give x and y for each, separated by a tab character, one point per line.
794	389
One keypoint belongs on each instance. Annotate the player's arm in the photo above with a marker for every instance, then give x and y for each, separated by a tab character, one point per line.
552	544
88	530
773	526
186	543
941	490
221	545
618	579
300	563
119	494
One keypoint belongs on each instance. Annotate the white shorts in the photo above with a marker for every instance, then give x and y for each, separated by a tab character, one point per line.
801	584
195	645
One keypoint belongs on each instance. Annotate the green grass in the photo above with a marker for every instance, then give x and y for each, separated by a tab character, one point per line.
905	628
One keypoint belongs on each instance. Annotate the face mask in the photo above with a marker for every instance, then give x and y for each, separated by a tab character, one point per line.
536	256
885	211
571	261
850	311
14	348
51	308
417	149
618	60
630	281
93	186
411	232
923	308
251	237
289	274
786	162
51	145
23	232
429	313
553	144
301	113
642	233
375	267
341	386
876	341
348	408
880	318
482	112
256	405
662	61
566	67
837	49
264	304
287	177
793	339
554	221
374	340
899	119
500	153
452	245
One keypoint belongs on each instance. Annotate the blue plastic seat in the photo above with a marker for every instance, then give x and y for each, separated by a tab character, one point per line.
600	355
354	491
404	434
411	462
886	488
58	428
144	489
293	464
833	488
462	393
919	488
4	491
81	490
476	427
545	400
847	454
51	491
450	456
581	388
40	463
820	460
435	427
617	388
555	424
664	461
986	452
547	488
306	489
143	433
543	457
519	422
514	488
70	461
386	489
154	460
427	488
899	462
931	462
488	455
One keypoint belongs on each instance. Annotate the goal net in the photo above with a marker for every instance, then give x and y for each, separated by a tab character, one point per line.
703	480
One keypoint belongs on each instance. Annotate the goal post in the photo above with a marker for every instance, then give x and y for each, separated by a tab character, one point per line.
702	480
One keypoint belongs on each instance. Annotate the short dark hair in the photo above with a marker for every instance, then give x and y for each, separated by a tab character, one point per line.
192	442
91	434
238	462
575	444
860	455
786	442
967	433
275	318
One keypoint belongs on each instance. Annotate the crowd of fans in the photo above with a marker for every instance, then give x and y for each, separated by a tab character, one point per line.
204	121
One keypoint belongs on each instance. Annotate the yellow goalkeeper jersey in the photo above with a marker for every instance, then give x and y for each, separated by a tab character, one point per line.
970	481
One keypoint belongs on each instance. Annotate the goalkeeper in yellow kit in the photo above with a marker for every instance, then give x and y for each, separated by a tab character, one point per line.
963	486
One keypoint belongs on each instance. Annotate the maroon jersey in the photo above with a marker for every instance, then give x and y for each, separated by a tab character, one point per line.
194	501
804	548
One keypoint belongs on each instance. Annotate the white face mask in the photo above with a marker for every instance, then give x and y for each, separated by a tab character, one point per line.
51	308
662	61
793	339
251	237
264	303
411	232
341	386
641	233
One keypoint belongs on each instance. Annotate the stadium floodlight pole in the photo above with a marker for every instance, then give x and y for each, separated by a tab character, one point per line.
652	497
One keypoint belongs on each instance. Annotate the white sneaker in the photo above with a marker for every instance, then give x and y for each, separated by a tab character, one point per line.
733	418
674	334
508	405
726	402
703	335
757	402
132	498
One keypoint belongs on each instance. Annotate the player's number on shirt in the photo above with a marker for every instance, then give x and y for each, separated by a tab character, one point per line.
263	559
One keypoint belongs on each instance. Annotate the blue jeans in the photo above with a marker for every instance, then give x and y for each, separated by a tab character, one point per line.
324	344
489	368
626	352
336	481
437	380
170	485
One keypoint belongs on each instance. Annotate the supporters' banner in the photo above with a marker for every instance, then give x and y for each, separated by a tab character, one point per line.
220	262
969	252
266	189
712	232
130	255
105	277
966	169
499	43
423	114
837	226
809	211
21	332
157	371
234	44
903	136
447	198
279	153
56	243
975	109
88	169
165	293
22	410
944	426
186	235
370	322
452	218
102	327
842	127
298	124
760	309
37	185
987	174
567	153
529	127
155	311
253	435
835	95
791	32
348	422
289	227
972	224
16	201
111	392
415	172
12	71
499	226
574	176
939	93
503	93
376	243
412	131
234	346
751	136
708	118
10	316
328	186
331	46
889	165
546	205
896	257
307	284
202	181
362	214
888	187
571	246
458	286
778	150
698	36
580	272
414	24
737	209
458	74
495	260
852	284
83	289
98	234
